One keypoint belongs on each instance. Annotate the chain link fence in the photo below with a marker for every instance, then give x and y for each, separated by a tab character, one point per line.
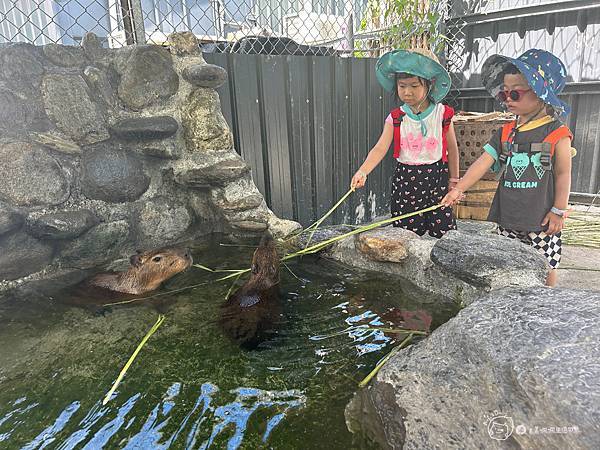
360	28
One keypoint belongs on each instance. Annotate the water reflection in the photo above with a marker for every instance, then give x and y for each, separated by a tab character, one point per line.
229	419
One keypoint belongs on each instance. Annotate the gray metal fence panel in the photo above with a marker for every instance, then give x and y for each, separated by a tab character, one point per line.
358	131
322	101
342	143
305	124
301	145
273	75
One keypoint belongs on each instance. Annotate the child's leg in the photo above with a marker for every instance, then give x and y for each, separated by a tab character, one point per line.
552	278
441	220
404	199
550	245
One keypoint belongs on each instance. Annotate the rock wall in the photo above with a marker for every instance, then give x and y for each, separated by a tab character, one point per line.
105	151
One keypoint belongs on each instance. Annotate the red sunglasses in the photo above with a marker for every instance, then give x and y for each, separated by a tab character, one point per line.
515	94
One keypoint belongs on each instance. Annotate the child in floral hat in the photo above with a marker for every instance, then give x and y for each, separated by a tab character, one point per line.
424	141
532	155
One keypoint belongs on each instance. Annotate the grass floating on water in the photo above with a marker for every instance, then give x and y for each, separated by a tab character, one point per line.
158	323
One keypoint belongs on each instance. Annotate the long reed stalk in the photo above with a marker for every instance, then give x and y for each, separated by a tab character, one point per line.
158	323
315	225
319	246
385	359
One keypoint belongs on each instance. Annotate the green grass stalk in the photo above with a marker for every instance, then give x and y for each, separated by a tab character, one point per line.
385	359
158	323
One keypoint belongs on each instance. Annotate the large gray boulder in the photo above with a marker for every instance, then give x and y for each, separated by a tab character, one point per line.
460	267
205	169
65	55
239	195
483	260
101	85
205	75
203	123
148	77
20	115
61	224
519	368
10	219
32	176
145	128
112	174
99	245
21	67
22	255
69	106
162	221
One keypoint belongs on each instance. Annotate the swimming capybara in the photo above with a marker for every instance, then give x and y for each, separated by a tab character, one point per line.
147	272
248	315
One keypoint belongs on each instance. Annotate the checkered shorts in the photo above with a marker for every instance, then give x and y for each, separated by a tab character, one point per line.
549	245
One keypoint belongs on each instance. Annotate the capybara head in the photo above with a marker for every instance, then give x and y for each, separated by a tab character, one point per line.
265	262
153	267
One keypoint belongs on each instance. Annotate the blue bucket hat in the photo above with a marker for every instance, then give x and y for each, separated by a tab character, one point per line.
544	72
414	63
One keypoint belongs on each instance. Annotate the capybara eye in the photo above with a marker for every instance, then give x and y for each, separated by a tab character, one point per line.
156	259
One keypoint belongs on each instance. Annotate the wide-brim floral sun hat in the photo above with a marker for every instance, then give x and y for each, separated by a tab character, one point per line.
545	73
414	62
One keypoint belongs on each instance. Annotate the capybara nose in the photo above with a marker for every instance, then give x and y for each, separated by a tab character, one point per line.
187	253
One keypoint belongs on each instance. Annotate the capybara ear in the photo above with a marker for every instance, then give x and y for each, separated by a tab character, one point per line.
136	260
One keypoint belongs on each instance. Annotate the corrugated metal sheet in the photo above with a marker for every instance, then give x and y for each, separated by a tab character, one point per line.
305	124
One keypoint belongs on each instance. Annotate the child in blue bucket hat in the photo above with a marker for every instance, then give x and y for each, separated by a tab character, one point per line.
531	155
424	140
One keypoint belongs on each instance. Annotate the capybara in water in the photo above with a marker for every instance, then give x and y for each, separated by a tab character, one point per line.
249	314
147	272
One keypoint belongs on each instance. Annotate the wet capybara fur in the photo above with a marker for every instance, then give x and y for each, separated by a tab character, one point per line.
250	313
148	270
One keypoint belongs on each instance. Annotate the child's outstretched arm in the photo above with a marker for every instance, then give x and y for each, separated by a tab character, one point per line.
478	169
374	157
562	185
452	155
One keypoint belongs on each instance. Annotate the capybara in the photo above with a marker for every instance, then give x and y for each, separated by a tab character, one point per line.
249	314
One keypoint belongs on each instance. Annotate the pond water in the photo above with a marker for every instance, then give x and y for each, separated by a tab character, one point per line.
191	387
